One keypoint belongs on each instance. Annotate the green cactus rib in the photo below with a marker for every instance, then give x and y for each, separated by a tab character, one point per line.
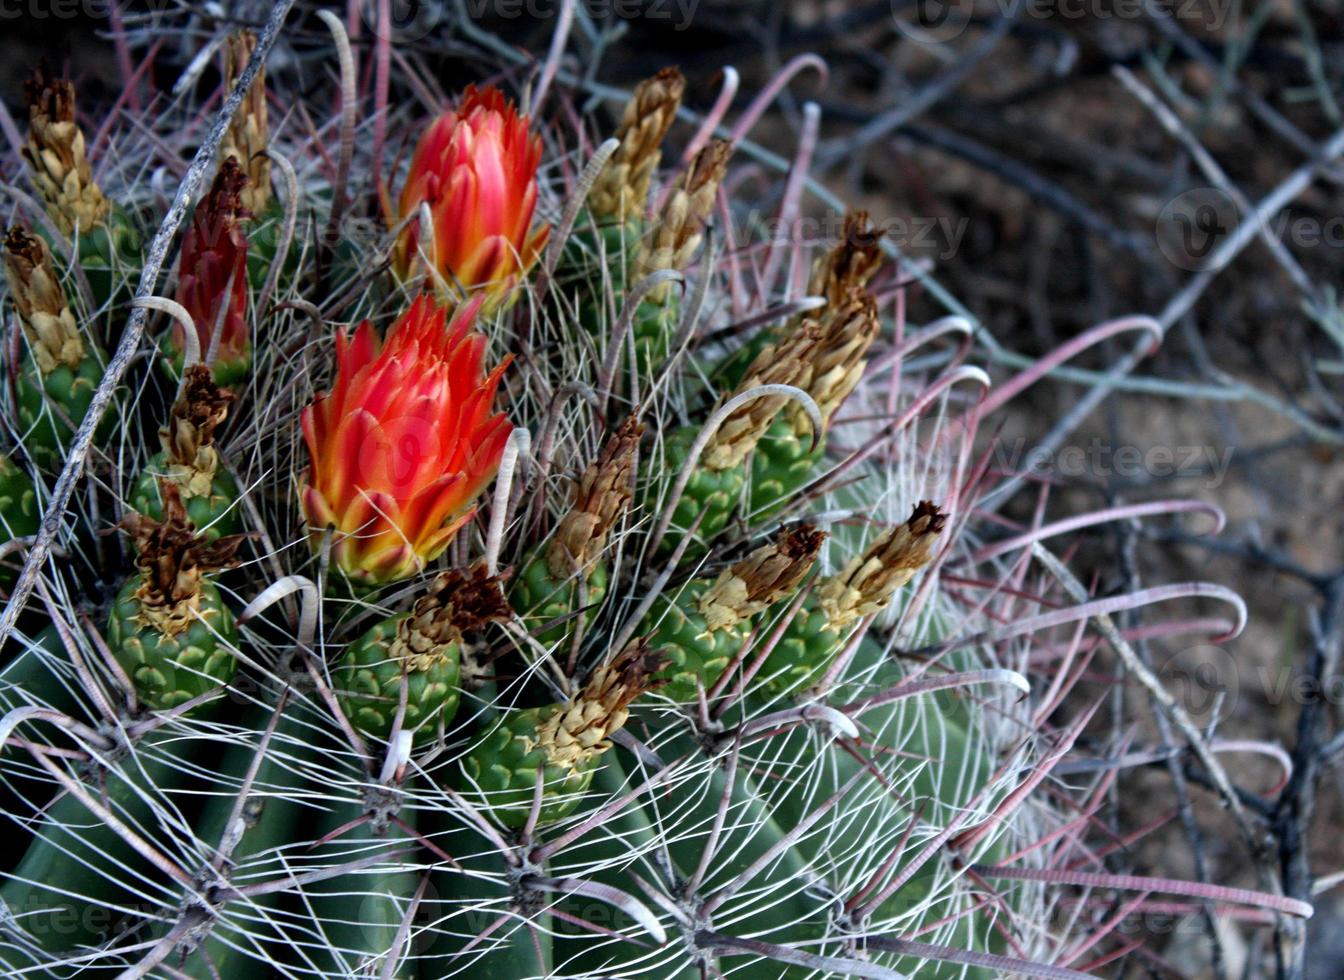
355	917
271	820
368	683
214	514
51	408
19	515
539	598
782	464
64	892
695	656
502	768
170	670
711	496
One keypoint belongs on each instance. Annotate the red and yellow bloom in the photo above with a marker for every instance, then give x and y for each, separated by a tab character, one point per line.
476	169
404	442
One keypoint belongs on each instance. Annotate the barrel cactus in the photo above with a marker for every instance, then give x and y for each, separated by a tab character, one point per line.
547	623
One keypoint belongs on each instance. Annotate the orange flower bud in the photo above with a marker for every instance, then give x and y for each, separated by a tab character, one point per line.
476	169
403	444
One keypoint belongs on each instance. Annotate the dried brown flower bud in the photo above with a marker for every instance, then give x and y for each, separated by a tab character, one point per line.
869	582
48	322
248	134
56	156
579	731
758	581
675	236
850	263
602	497
787	363
173	559
456	604
621	191
188	438
848	330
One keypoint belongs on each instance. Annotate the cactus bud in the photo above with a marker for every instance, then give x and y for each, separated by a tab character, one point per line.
868	582
562	742
765	576
424	646
169	627
548	589
56	388
190	461
212	280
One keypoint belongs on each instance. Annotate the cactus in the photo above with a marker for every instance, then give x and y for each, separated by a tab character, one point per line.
535	657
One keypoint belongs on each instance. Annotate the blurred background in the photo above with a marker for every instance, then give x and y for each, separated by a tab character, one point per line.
1057	164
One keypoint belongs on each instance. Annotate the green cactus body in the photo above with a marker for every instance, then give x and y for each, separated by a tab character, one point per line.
64	892
540	598
781	466
695	655
170	670
215	512
110	255
263	245
470	899
805	652
368	685
713	493
501	770
357	915
19	517
271	819
51	409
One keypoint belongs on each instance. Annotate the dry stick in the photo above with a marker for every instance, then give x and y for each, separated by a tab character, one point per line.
135	326
1159	693
1206	163
1178	306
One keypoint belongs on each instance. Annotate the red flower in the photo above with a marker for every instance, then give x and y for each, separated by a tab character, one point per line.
213	274
403	444
476	168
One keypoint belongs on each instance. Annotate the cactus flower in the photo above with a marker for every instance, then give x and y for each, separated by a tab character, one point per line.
403	444
476	169
212	281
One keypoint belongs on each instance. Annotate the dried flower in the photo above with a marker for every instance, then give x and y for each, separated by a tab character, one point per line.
48	322
761	579
249	132
869	581
56	156
603	495
673	239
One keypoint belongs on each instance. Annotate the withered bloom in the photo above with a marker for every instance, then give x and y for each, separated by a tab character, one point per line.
603	495
868	583
621	191
56	155
758	581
